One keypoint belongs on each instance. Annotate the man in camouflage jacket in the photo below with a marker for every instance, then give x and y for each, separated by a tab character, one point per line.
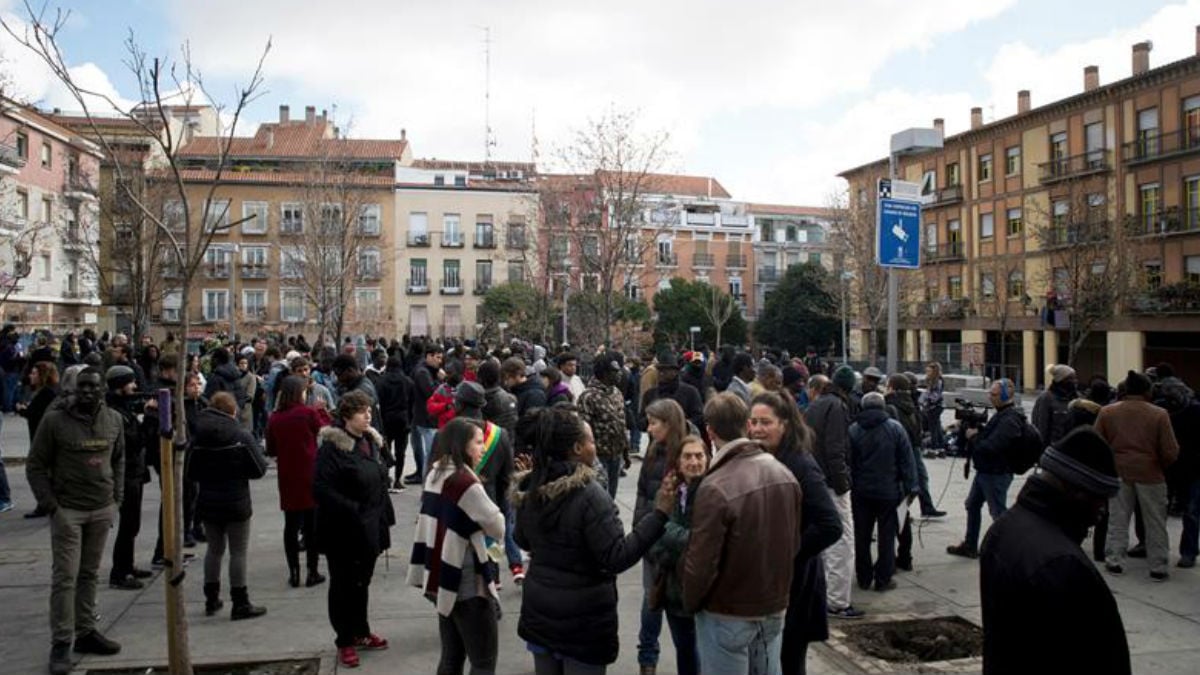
602	405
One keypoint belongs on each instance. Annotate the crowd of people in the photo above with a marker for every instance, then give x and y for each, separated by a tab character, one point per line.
770	486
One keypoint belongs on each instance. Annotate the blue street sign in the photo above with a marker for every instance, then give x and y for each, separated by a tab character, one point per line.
898	234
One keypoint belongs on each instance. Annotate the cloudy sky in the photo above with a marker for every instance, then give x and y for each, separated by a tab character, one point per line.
771	98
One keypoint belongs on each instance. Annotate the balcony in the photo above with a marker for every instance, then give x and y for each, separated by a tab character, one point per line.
254	271
485	239
768	275
213	271
418	240
735	221
254	315
452	240
1153	147
702	260
452	287
701	218
1178	298
944	252
74	239
735	261
482	287
79	185
946	308
1078	166
1166	222
10	160
1075	234
666	259
420	288
951	194
74	294
369	274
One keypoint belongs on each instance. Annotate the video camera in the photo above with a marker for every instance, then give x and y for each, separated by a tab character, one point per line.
969	415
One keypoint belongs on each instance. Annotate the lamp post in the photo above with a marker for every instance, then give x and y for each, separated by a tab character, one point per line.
907	142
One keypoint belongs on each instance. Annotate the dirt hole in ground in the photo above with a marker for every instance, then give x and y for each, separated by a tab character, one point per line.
917	640
290	667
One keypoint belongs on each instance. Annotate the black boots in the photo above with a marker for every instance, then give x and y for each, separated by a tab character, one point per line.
94	643
294	577
314	578
242	609
212	598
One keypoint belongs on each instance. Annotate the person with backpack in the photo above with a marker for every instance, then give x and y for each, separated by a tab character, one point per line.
988	449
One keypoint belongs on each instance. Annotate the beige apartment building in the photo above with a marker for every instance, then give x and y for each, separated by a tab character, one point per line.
1116	164
784	236
461	228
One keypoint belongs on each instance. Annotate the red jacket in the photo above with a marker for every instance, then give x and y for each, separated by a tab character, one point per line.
292	440
440	405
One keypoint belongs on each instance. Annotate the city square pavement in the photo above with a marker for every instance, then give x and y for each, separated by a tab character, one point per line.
1162	620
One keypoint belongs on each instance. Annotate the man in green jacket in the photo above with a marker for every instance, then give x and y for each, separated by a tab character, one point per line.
76	469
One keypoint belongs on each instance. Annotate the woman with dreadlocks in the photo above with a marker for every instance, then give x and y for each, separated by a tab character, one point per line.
568	523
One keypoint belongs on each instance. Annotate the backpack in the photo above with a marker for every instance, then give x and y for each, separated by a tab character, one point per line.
1025	453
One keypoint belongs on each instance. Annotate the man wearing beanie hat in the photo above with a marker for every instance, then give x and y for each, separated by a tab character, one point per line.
1046	609
122	384
1051	416
1144	444
829	416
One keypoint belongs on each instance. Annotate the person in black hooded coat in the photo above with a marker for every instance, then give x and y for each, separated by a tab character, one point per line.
570	526
225	376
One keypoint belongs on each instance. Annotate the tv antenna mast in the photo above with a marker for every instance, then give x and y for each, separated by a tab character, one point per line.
489	140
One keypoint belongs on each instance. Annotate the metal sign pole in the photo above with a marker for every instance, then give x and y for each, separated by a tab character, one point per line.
892	295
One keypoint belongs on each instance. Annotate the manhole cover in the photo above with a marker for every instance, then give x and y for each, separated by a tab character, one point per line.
917	640
289	667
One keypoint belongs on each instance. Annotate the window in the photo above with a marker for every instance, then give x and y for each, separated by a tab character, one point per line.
218	215
369	263
954	231
254	304
814	258
331	218
217	261
216	305
367	302
985	167
451	234
1192	194
1016	284
735	288
484	235
515	238
439	179
418	275
1059	212
254	217
47	268
516	272
1191	269
47	207
1149	206
1191	120
987	285
255	257
1093	136
632	290
1012	161
591	247
368	220
560	248
953	177
767	231
1147	132
955	288
1058	153
291	218
22	205
987	225
929	183
483	275
1016	223
931	237
291	262
291	305
172	301
22	145
460	181
418	229
173	215
47	154
666	256
1152	274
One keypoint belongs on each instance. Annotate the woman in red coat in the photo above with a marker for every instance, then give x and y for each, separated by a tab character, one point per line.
292	439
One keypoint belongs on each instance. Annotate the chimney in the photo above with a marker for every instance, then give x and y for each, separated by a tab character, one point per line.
310	114
324	114
1141	58
404	135
976	117
284	114
1022	101
1091	78
940	125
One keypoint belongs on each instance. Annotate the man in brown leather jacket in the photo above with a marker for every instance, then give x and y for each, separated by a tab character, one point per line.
737	569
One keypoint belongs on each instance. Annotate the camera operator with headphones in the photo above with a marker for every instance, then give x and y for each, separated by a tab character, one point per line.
986	449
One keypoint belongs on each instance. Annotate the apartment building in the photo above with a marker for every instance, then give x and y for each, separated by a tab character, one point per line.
284	199
48	204
462	227
1013	204
785	236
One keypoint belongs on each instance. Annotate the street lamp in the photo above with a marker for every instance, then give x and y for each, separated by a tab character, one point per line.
846	277
908	142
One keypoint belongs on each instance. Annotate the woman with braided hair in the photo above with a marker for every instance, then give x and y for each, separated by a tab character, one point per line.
569	524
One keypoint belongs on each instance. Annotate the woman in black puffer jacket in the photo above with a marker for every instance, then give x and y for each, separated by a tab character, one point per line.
223	459
569	524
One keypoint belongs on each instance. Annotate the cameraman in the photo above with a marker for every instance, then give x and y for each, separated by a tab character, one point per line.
985	447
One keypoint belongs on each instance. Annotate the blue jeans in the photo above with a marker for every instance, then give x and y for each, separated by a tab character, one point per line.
612	466
635	441
989	488
511	550
422	445
732	645
1189	542
651	626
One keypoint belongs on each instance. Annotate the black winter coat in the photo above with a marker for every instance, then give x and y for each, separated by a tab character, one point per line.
650	478
822	527
135	442
571	528
682	393
226	377
1046	608
395	390
354	512
530	395
425	381
829	417
1000	432
223	459
1185	422
881	457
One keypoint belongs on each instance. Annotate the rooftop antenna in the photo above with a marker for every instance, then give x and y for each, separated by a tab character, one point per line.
489	141
533	144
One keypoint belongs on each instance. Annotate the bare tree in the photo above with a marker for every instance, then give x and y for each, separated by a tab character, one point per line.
718	307
20	244
1001	284
163	84
852	231
603	211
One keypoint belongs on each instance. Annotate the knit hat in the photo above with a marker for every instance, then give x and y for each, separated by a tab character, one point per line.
666	359
873	400
1137	384
1084	460
1061	372
844	379
606	363
119	376
469	395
